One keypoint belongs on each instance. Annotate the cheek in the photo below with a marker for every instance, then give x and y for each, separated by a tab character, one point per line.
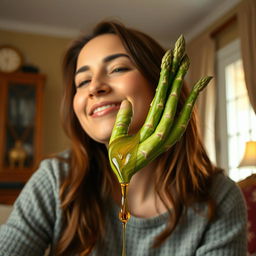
135	85
141	108
141	96
78	104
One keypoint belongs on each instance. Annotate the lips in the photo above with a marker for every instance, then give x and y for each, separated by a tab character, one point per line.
103	108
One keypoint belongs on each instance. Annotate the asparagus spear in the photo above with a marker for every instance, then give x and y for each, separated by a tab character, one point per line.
163	127
169	67
145	149
182	122
157	104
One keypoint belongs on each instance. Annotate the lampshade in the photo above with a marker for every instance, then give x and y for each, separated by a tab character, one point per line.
249	158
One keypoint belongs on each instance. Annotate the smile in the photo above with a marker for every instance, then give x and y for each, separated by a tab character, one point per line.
104	109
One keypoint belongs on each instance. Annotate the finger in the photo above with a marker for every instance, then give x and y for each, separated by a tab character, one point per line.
178	53
158	102
181	123
123	121
168	71
165	124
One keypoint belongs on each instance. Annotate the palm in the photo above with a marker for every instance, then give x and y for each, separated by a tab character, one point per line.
162	128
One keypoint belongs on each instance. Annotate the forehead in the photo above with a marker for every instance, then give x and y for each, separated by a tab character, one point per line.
99	47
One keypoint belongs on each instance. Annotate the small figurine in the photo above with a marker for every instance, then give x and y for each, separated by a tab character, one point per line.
17	155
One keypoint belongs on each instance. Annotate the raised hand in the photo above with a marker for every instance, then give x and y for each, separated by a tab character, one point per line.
162	128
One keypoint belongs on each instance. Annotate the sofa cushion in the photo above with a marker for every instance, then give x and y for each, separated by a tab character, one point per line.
5	211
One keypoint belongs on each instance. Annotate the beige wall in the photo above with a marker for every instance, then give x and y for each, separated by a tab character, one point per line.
46	53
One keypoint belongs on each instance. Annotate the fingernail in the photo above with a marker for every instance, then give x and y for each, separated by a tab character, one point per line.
125	104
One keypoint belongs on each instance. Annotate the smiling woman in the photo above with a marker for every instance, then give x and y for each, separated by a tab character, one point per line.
106	76
179	203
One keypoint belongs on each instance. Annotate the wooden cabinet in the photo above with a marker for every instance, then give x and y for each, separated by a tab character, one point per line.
21	100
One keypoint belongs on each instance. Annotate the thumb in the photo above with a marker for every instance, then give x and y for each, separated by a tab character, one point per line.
123	120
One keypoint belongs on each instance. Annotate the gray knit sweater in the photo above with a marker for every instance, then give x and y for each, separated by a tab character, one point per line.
36	223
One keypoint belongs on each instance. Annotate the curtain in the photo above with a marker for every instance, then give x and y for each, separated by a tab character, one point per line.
201	52
247	30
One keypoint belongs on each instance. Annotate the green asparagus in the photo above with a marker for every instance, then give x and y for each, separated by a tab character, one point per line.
163	126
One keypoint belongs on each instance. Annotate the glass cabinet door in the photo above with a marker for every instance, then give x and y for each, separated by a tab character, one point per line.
20	125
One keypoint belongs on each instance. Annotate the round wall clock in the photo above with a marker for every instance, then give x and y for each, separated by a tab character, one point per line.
10	59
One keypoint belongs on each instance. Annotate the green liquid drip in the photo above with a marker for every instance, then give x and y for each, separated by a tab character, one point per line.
123	152
124	215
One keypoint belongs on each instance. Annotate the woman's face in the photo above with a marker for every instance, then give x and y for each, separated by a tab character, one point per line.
106	75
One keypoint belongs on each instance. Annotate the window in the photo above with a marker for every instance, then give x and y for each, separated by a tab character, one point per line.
237	121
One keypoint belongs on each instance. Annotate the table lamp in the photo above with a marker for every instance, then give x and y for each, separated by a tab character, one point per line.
249	158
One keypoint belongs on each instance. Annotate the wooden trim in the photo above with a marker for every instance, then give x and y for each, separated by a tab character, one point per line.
8	196
16	174
223	26
3	92
22	76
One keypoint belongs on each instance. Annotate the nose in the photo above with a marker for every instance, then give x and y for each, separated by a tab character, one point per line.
98	86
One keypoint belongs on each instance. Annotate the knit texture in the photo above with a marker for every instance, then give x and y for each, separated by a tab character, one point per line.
36	222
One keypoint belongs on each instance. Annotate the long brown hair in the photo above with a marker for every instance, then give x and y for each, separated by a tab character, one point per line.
184	171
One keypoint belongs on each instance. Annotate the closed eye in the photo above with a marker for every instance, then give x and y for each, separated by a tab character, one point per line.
85	82
120	69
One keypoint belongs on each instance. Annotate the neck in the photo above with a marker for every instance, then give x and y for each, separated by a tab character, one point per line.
143	200
142	184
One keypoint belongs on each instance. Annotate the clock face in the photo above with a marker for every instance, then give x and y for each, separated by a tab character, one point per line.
10	59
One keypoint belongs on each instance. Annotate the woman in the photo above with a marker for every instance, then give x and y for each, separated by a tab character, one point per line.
181	204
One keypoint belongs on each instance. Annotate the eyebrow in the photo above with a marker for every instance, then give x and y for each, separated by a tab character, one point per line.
105	60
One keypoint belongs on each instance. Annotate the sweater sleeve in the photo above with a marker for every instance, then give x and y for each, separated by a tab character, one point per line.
30	227
226	235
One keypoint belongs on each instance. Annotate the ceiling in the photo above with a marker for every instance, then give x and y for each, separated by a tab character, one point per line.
163	19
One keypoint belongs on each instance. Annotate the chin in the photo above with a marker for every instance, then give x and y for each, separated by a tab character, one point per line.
102	138
102	141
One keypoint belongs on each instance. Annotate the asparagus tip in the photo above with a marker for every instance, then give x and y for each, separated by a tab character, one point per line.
166	60
202	83
185	62
181	37
179	47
